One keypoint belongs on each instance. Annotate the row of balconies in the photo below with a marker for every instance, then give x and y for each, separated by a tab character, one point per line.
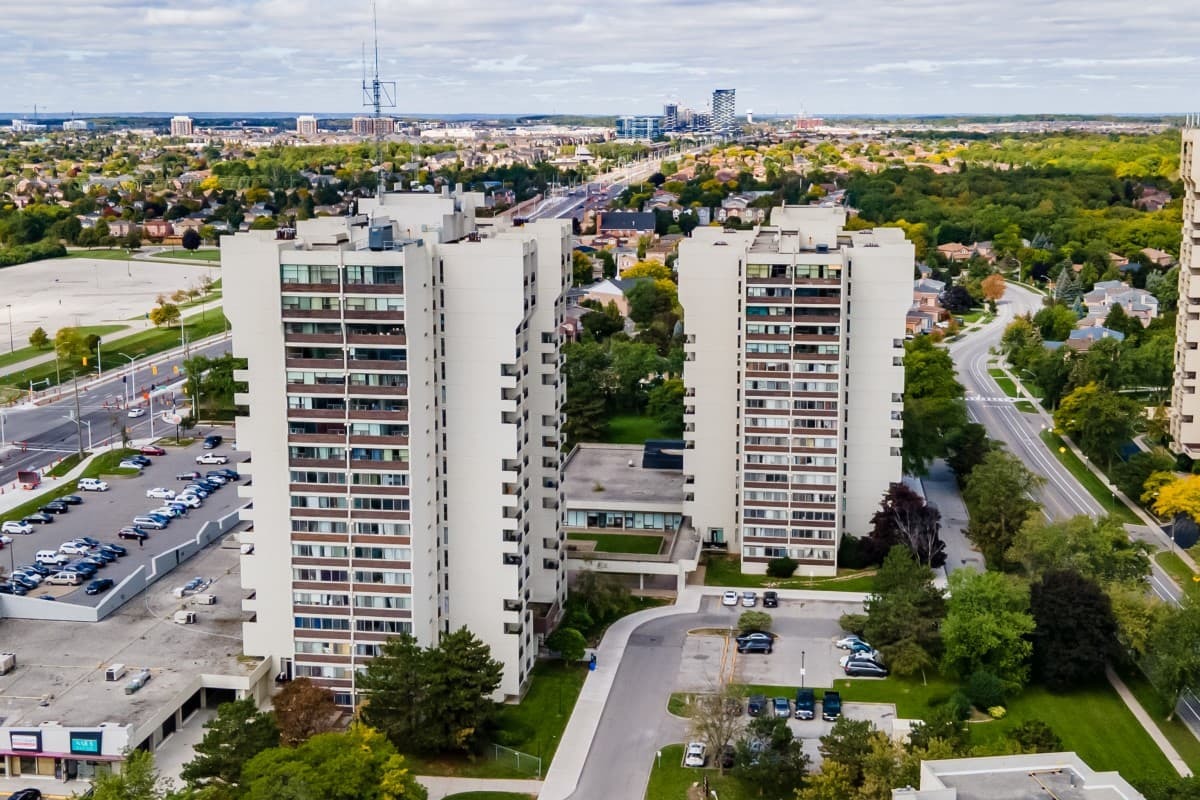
337	364
352	415
333	289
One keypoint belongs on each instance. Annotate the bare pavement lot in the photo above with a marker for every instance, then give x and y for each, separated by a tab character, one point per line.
89	291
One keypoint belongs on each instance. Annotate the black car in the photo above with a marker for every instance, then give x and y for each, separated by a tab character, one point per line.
55	507
140	459
756	646
26	794
231	474
84	568
213	441
756	705
727	753
132	533
99	585
865	668
12	587
755	636
100	554
88	540
38	568
806	704
71	499
771	599
22	581
115	549
39	518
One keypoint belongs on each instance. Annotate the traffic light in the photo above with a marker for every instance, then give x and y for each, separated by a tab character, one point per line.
154	369
85	361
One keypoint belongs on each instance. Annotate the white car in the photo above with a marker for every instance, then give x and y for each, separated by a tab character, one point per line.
5	540
729	599
852	642
749	599
20	528
134	413
130	465
161	493
696	755
29	575
212	458
74	548
189	500
166	511
92	485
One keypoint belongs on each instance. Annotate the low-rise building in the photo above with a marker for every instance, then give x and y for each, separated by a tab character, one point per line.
1064	776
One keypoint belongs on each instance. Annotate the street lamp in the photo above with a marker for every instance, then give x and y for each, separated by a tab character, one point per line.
11	347
131	387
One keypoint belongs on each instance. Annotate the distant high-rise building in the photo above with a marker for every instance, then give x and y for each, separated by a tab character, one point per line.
1185	398
670	116
724	113
181	126
792	435
77	125
306	125
362	126
639	127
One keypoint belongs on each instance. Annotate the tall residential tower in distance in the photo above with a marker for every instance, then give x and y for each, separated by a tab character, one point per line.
306	125
404	431
794	375
1185	401
181	126
724	111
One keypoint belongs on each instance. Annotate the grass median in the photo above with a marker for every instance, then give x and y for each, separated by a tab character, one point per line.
620	542
211	256
670	780
725	571
26	353
1101	493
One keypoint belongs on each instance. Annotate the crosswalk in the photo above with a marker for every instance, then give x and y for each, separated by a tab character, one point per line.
975	398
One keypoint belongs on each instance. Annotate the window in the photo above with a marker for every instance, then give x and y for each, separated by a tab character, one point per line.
292	302
382	503
374	275
384	553
391	601
312	476
383	626
322	648
320	575
383	528
386	577
320	599
320	550
382	303
322	623
317	526
317	501
308	273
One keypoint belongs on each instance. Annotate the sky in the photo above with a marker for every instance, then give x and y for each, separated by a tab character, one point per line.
602	56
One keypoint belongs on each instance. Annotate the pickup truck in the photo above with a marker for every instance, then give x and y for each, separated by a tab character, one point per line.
806	704
757	703
831	706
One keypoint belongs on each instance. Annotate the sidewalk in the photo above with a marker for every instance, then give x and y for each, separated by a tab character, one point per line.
440	787
1146	722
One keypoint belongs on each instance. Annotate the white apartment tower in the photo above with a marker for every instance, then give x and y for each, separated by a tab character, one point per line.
724	111
181	126
306	125
1185	401
794	375
404	432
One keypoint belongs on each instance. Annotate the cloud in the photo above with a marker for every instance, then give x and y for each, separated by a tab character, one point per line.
514	64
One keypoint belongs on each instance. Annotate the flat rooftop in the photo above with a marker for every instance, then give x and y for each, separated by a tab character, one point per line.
63	663
1062	776
601	475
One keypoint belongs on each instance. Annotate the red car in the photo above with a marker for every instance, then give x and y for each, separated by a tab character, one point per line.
152	450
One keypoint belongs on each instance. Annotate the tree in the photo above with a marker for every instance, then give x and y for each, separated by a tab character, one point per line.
568	643
600	594
360	764
997	497
608	263
1173	654
1098	549
848	743
993	287
599	325
1035	736
904	518
754	621
302	710
39	339
1055	322
1118	320
655	270
395	690
987	626
137	780
69	346
191	239
665	405
1131	475
903	613
717	718
833	782
165	314
1175	496
1100	420
933	404
966	448
234	736
1076	633
770	758
957	300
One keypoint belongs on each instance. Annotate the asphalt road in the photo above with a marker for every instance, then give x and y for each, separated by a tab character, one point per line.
48	432
102	514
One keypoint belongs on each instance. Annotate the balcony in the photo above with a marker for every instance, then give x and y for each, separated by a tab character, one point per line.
312	338
377	339
316	413
383	316
323	364
310	313
374	288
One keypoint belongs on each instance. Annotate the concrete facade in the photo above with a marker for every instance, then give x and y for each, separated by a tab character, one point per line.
181	126
404	417
1185	402
793	434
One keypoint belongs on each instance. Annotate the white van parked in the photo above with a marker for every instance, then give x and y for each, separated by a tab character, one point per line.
65	578
92	485
50	557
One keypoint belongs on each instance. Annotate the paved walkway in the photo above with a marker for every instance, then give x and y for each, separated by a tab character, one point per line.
1149	724
440	787
941	489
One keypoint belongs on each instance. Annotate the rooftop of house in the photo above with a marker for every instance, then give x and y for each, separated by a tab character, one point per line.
627	220
1063	776
601	475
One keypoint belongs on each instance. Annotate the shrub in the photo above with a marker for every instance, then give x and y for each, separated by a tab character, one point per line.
985	690
853	623
1035	736
997	712
852	554
754	621
567	642
782	567
959	705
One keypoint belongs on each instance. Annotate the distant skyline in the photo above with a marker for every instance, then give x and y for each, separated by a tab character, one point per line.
602	56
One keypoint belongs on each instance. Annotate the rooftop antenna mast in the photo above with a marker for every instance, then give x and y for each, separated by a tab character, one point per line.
378	95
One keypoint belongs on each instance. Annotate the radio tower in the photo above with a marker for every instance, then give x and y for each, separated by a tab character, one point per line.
378	95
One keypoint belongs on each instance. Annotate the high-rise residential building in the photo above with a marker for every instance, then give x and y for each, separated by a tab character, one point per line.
306	125
794	375
372	126
670	116
1185	399
639	127
724	112
181	126
77	125
404	430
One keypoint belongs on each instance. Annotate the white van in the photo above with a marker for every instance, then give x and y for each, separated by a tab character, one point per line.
65	578
92	485
51	557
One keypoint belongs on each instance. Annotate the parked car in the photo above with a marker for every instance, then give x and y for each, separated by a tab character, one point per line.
198	490
30	575
55	507
219	480
92	485
729	599
74	548
26	794
152	450
187	476
852	642
149	522
99	585
161	493
94	560
727	755
132	533
231	474
67	577
781	707
166	511
38	568
696	755
749	599
140	459
100	554
165	519
771	599
756	704
134	413
5	539
213	441
14	589
755	636
756	646
115	549
84	568
20	580
189	500
865	668
130	464
212	458
88	540
21	528
71	499
39	518
831	706
7	588
860	656
806	703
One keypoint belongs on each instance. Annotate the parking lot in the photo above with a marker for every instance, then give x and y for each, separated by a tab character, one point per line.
102	514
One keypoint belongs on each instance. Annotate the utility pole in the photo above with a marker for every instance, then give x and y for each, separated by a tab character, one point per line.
78	419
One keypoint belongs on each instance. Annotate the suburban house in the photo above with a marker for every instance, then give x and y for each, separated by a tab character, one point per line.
1137	303
738	205
1158	257
157	229
624	224
954	251
917	321
610	291
1082	339
120	227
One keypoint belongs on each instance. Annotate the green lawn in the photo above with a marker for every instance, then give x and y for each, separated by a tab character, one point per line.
489	796
635	429
108	254
25	353
1004	382
1094	485
1026	406
534	726
142	343
670	780
1176	732
724	571
621	542
66	465
190	255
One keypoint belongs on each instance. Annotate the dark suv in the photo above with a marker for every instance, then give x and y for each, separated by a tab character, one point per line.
756	705
764	646
806	704
212	441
